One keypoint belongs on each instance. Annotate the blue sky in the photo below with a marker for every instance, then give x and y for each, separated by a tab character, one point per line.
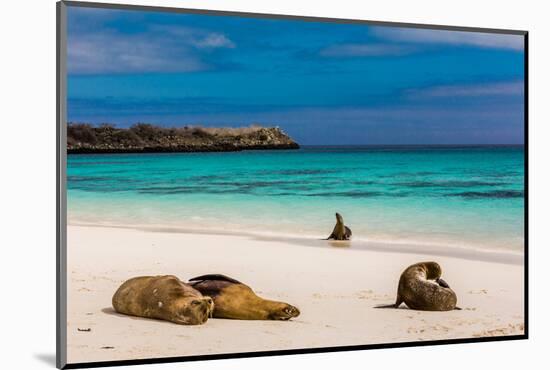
323	83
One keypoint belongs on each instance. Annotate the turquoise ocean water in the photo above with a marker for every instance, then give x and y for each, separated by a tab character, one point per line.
463	197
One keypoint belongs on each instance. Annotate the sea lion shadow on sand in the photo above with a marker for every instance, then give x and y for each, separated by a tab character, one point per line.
112	312
340	243
422	288
235	300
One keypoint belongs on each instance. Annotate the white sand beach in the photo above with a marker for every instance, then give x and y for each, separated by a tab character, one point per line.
336	288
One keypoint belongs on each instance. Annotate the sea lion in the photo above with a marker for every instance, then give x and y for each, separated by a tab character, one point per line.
340	231
163	297
421	288
235	300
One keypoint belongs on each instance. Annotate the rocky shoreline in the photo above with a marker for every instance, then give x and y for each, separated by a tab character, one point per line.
145	138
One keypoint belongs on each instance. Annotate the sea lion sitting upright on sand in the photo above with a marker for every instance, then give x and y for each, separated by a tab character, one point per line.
421	288
163	298
235	300
340	231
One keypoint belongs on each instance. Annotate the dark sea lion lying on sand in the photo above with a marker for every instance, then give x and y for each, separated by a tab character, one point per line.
340	231
235	300
164	298
421	288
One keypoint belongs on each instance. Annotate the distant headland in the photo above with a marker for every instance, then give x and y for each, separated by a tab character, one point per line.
83	138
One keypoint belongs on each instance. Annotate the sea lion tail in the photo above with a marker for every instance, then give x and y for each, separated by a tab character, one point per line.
458	308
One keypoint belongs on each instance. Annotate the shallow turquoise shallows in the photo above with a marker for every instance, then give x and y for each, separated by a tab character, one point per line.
464	197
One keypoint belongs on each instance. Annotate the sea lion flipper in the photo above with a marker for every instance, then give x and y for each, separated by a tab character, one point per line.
386	306
215	277
397	303
442	283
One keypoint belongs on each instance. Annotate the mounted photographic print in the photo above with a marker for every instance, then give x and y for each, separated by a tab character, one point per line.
234	184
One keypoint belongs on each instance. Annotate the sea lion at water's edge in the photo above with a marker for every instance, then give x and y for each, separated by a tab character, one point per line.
164	298
235	300
421	288
340	231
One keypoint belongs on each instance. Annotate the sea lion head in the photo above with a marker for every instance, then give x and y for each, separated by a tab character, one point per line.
433	270
185	304
339	218
192	310
284	311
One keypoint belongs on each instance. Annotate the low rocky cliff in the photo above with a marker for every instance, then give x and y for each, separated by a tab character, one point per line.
146	138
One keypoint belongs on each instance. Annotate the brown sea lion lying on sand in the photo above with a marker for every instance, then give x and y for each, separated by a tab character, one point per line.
235	300
340	231
163	298
421	288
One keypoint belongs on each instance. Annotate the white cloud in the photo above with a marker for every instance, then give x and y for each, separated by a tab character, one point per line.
109	53
479	39
199	38
473	90
214	40
365	50
161	49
